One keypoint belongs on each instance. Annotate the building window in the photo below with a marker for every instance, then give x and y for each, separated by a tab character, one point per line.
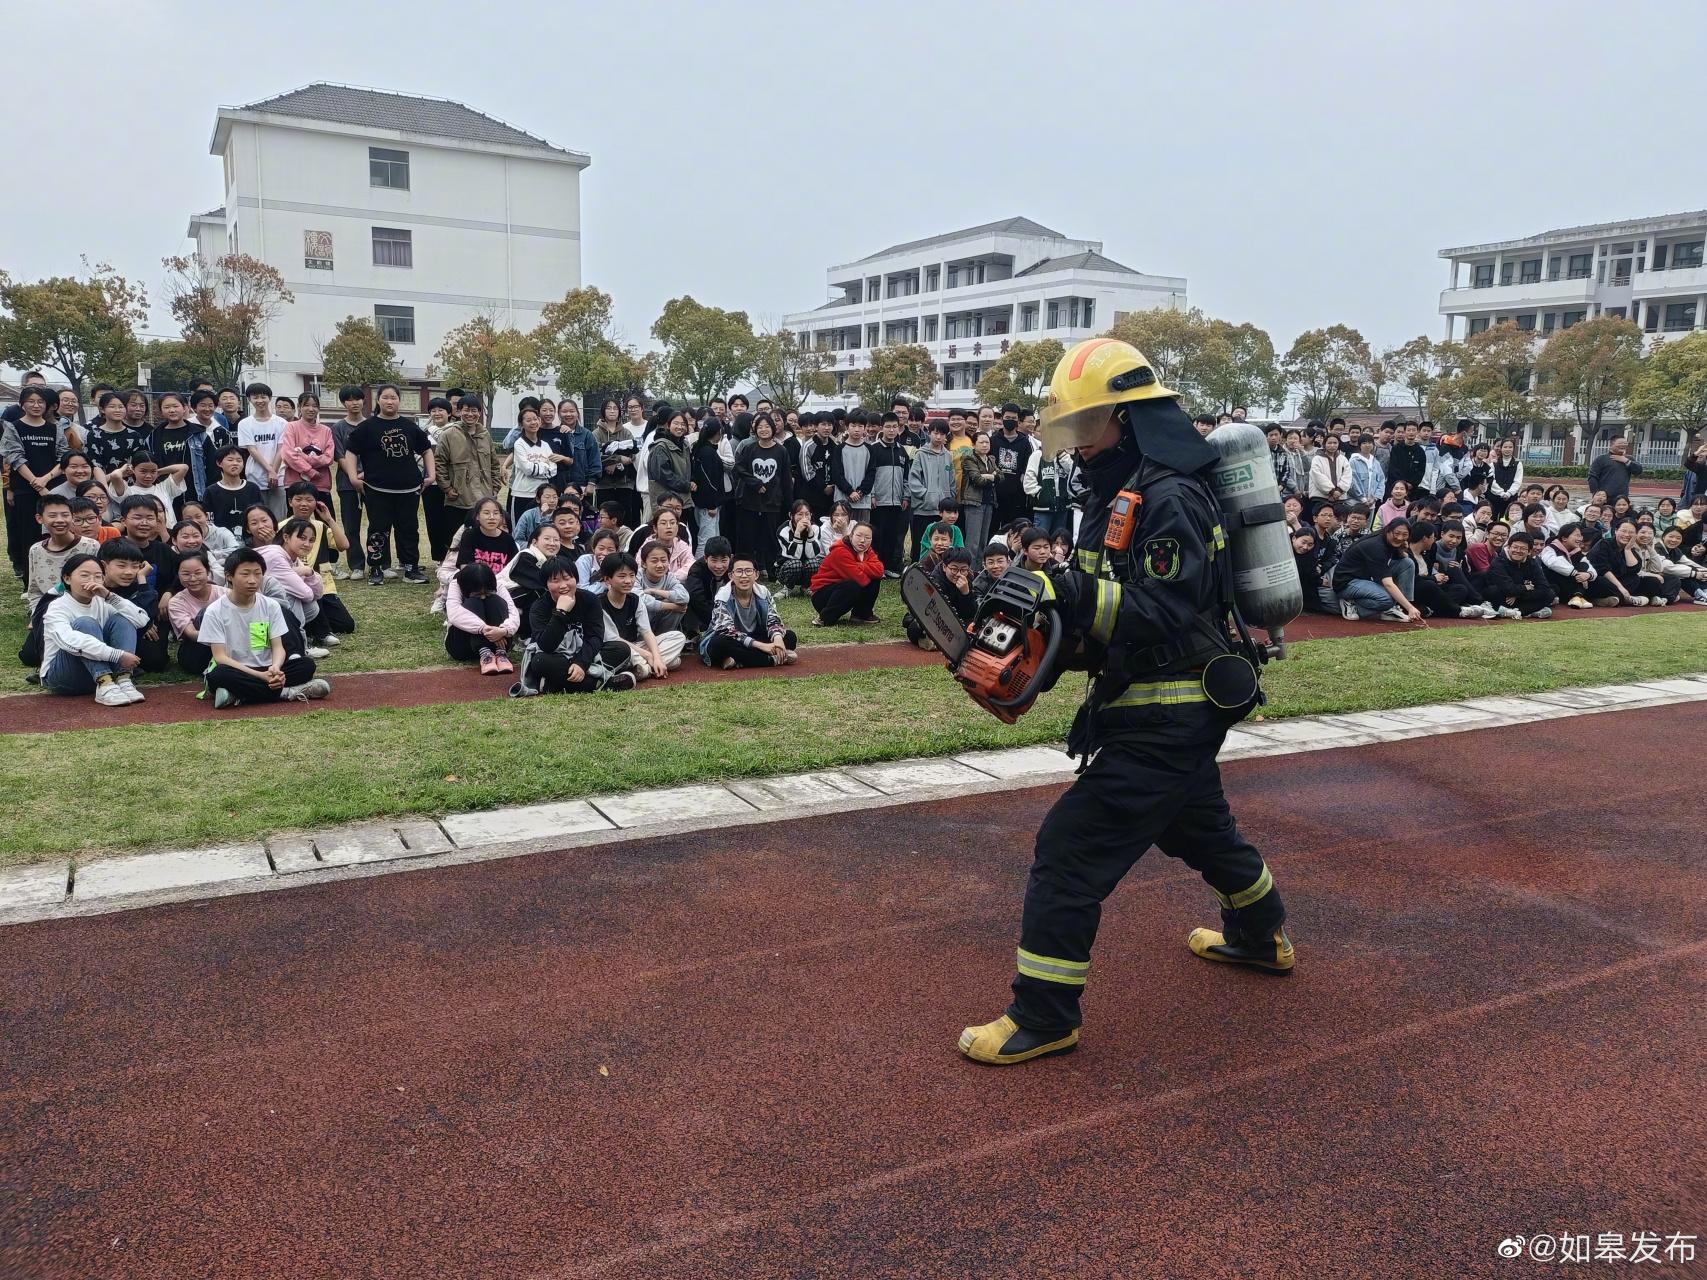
1617	312
1527	322
1549	322
1531	273
1572	317
1686	255
1679	315
1484	277
396	323
393	247
930	328
871	335
933	275
841	384
1478	325
874	288
1581	265
1660	256
954	277
1028	318
1506	268
388	168
1553	267
1651	321
1054	320
1090	309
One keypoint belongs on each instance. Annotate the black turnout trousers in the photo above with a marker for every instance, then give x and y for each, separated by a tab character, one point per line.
1136	793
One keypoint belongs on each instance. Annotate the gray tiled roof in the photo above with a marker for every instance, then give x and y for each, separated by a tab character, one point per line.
405	113
1006	227
1076	262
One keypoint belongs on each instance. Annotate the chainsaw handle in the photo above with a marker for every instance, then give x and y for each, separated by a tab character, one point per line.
1051	646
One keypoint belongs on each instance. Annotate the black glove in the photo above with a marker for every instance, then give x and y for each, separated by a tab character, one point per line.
1076	597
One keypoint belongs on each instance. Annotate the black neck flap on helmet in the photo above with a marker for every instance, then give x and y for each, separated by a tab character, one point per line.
1165	434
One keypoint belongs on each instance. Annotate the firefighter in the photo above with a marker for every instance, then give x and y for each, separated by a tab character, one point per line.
1146	606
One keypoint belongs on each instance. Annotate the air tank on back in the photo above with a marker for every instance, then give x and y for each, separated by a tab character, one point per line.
1265	576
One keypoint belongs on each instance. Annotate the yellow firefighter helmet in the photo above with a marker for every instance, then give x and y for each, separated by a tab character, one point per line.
1091	379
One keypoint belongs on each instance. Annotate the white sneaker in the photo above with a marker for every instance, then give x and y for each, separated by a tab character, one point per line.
1701	597
1349	612
129	687
317	652
1505	611
313	689
388	573
341	574
728	664
112	695
789	657
1488	611
1659	602
1471	611
1541	614
437	606
1395	614
1638	602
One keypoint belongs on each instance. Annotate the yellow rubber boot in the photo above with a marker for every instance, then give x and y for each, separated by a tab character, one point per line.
1272	956
1004	1042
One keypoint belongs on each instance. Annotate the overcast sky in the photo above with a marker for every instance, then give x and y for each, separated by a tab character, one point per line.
1300	165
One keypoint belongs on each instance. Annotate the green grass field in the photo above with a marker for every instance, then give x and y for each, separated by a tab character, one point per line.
183	785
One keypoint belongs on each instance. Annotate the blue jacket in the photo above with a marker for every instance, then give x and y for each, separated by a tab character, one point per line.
589	462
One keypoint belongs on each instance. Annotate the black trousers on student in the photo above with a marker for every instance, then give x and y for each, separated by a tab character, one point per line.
193	657
847	596
721	646
441	521
1135	794
22	527
350	516
465	646
630	499
334	616
888	527
755	535
248	685
919	524
393	514
553	669
156	654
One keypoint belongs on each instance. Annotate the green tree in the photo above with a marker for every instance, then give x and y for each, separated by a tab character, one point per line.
358	354
1488	376
1022	375
1326	367
1415	365
1172	341
577	343
82	329
1586	371
787	372
1670	389
904	369
706	349
480	355
175	364
223	308
1236	366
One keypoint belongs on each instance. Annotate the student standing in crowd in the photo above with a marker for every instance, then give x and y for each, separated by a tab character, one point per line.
711	486
889	462
746	630
978	490
260	436
33	448
619	442
439	526
175	442
930	479
112	442
228	497
669	470
308	451
1012	451
390	482
466	462
532	462
767	490
851	470
349	497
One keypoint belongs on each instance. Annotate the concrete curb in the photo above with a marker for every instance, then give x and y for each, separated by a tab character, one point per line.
48	891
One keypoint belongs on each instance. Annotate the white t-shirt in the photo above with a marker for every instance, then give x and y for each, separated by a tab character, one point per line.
165	488
247	634
266	437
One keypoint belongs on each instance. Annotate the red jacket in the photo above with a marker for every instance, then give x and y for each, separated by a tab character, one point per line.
842	565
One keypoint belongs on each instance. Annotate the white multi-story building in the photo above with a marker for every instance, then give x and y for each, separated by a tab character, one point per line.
416	213
1649	270
969	294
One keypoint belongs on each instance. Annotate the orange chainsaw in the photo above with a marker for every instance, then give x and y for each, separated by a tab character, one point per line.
1004	655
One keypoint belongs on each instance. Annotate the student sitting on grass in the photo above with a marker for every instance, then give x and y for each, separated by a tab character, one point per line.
48	556
1035	549
665	599
139	521
705	579
89	637
244	631
626	620
947	514
940	542
952	577
299	583
228	497
590	565
196	591
848	581
570	531
802	544
997	558
522	579
666	528
568	652
545	504
143	475
86	521
610	517
480	618
125	574
746	630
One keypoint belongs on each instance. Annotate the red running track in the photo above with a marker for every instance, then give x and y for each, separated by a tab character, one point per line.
732	1055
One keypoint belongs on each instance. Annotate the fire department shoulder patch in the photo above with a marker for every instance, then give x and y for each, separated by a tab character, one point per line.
1161	558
